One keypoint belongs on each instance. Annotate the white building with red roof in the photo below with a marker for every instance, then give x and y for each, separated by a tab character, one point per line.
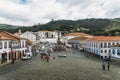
11	47
71	35
100	45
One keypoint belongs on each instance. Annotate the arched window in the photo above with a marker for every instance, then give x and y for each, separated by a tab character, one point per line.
118	52
113	51
10	44
108	45
0	45
105	45
101	45
105	51
101	51
23	44
117	43
113	44
5	44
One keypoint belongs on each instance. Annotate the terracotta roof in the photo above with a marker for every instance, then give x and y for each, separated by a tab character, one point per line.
104	38
17	34
7	36
29	42
78	38
77	34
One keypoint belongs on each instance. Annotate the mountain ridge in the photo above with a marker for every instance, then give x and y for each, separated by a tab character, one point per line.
91	26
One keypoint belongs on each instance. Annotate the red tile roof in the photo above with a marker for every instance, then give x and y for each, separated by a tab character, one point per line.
77	34
8	36
104	38
78	38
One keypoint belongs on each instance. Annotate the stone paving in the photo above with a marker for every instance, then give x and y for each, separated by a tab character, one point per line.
74	67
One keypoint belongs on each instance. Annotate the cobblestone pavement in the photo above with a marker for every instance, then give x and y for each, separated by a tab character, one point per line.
75	67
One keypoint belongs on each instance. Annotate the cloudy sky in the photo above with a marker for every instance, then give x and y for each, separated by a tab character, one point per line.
30	12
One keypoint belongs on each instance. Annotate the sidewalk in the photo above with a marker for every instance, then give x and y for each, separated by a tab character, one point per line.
3	64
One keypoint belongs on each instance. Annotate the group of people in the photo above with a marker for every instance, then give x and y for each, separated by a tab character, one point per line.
106	64
45	57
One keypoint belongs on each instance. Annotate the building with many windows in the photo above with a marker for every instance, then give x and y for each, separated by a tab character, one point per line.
76	42
115	51
100	45
29	35
71	35
11	47
48	36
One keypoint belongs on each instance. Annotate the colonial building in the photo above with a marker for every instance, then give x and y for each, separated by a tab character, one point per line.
115	51
48	36
100	45
11	47
76	42
68	36
29	35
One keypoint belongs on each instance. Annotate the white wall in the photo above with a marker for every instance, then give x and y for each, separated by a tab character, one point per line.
116	52
94	47
28	35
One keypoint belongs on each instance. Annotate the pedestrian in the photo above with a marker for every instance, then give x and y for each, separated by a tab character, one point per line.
103	64
13	61
42	57
53	58
47	58
108	65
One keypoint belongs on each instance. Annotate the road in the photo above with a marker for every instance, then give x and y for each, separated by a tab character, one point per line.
75	67
11	67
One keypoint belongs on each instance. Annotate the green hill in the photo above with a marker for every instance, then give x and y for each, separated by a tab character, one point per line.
91	26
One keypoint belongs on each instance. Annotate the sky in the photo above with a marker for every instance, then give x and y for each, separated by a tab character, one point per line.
31	12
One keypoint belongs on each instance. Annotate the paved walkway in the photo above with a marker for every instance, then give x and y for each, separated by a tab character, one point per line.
75	67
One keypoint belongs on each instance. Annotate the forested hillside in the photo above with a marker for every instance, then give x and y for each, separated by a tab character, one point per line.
90	26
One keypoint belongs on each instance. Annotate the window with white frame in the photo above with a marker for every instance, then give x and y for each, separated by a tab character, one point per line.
105	51
5	44
0	45
117	43
10	44
113	51
101	45
109	51
105	45
101	51
109	45
118	52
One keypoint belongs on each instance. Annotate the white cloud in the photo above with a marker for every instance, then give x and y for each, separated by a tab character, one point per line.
41	11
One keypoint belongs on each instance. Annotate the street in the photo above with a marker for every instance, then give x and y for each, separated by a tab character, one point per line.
76	66
11	67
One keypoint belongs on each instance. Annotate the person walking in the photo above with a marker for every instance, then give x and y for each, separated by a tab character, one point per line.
42	57
47	58
103	64
108	65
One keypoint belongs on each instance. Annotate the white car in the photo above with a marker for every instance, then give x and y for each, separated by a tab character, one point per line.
62	55
26	57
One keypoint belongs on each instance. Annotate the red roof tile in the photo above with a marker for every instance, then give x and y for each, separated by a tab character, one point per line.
78	38
77	34
7	36
104	38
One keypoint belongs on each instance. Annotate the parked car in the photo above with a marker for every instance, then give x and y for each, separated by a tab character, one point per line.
26	56
62	55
